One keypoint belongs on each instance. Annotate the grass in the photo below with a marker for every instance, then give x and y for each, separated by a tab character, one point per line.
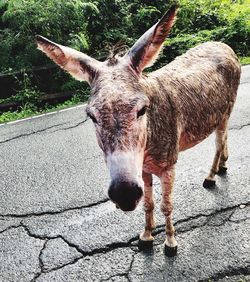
29	111
245	61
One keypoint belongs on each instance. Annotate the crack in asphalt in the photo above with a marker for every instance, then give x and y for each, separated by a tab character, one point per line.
209	216
57	268
31	133
40	261
130	268
108	248
223	221
228	272
54	212
213	213
115	275
70	127
44	271
239	127
40	253
129	244
156	231
159	229
47	238
11	227
44	130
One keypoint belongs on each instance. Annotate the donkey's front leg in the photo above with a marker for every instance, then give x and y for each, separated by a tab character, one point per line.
167	182
146	238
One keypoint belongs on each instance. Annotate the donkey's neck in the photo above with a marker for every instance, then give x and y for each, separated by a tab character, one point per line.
162	137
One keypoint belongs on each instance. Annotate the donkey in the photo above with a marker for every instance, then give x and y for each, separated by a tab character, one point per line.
143	121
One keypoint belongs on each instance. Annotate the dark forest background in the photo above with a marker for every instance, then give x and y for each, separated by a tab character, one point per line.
94	27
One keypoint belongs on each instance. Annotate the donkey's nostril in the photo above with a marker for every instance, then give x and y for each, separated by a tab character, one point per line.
125	194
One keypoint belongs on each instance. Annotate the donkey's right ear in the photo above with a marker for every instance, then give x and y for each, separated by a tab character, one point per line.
146	49
79	65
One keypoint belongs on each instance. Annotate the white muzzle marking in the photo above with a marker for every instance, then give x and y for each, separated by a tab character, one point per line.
126	166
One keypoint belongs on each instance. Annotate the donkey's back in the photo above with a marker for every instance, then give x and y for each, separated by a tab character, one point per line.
202	84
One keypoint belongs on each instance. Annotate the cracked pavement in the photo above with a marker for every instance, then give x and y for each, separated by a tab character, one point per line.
57	224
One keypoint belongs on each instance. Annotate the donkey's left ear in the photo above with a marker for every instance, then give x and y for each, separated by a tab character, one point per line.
79	65
147	48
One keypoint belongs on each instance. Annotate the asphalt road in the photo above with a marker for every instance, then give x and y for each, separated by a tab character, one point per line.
57	224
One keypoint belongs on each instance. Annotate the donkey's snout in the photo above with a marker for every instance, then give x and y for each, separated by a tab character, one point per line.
125	194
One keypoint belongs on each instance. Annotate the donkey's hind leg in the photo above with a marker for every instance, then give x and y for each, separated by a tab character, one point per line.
224	156
221	155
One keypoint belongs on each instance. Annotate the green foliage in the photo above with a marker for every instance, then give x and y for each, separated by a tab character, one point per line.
203	20
64	20
9	116
28	110
245	60
92	26
28	94
181	43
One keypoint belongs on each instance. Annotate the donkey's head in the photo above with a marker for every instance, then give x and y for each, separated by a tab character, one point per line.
117	105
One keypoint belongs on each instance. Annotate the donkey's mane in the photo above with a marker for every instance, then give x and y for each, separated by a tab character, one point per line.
116	51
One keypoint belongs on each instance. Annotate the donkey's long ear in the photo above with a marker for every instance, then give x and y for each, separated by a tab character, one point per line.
79	65
146	49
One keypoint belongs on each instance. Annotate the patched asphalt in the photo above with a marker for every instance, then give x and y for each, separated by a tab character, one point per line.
57	224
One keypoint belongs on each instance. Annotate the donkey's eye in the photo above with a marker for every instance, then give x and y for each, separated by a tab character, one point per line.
92	118
142	112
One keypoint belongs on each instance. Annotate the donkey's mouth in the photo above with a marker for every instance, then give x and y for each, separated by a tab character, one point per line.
125	195
127	207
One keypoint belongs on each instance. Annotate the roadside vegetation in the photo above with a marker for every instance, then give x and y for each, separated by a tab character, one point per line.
95	26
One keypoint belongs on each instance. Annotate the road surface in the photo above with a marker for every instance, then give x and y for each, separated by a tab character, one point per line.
57	224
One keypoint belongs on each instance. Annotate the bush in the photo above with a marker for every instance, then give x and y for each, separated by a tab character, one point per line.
63	20
92	26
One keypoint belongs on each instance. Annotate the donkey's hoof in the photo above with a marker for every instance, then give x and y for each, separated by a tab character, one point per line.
170	251
208	183
145	245
222	170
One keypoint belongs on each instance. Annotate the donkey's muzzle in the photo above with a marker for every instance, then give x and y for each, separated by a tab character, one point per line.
126	195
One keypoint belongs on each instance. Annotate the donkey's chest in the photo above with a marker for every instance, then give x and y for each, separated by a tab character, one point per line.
189	140
195	129
157	164
152	167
